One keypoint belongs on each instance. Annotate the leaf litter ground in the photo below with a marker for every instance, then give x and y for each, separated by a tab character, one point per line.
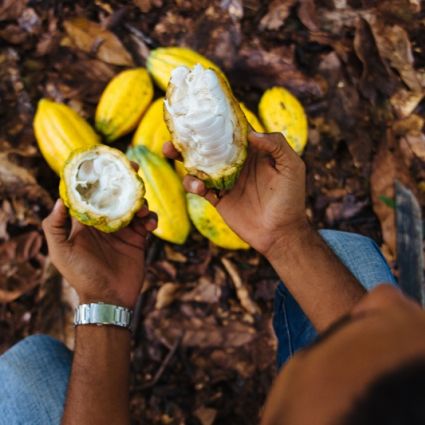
204	348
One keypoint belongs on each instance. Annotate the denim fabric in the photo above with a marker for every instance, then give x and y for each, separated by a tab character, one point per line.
361	256
34	373
33	379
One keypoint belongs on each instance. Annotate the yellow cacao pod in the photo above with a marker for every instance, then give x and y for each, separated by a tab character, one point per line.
210	224
101	188
164	193
252	119
59	130
280	111
180	170
123	103
152	131
162	61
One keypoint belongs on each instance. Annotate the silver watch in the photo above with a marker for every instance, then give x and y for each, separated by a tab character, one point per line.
102	314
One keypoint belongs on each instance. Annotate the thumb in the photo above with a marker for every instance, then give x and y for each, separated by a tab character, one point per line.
274	144
55	225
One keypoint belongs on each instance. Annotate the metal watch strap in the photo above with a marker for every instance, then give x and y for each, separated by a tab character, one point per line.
102	314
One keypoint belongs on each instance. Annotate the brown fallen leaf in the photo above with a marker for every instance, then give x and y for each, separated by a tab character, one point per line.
17	181
405	102
91	37
204	292
276	15
412	145
386	168
394	46
376	76
146	5
11	9
241	291
206	415
264	68
173	255
166	294
17	274
196	330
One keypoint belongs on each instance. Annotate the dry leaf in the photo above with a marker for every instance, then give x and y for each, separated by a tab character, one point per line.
405	102
11	9
241	291
173	255
277	13
204	292
166	294
394	46
93	38
17	274
206	415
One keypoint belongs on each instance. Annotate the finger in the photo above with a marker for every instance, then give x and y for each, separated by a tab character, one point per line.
194	185
171	152
55	225
139	227
274	144
144	210
212	197
151	222
76	228
134	166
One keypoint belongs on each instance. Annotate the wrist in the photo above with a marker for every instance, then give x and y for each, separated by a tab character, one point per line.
108	298
289	239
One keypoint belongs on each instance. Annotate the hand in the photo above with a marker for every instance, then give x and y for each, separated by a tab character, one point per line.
106	267
267	203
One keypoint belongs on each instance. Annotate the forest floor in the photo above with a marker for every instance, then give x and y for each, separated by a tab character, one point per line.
358	67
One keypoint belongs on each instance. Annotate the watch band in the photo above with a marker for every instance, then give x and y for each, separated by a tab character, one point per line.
102	314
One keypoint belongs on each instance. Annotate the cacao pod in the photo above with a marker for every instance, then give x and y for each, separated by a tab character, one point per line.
164	193
280	111
162	61
152	131
207	125
123	102
252	119
210	224
59	130
101	188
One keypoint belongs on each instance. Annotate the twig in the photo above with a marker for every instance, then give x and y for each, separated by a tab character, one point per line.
163	366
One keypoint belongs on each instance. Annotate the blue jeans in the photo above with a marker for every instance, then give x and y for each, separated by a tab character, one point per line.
34	373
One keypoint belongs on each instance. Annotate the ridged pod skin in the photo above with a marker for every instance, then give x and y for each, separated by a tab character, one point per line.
253	121
280	111
152	131
90	218
59	130
162	61
225	179
164	193
123	102
211	225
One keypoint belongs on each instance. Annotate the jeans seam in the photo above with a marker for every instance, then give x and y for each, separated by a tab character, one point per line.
288	333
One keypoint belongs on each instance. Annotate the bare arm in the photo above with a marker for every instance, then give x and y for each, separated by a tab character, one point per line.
323	287
266	208
99	383
105	268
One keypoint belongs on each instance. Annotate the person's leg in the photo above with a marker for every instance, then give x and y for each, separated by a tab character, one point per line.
362	257
33	380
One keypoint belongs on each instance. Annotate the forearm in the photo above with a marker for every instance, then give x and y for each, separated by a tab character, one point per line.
99	382
323	287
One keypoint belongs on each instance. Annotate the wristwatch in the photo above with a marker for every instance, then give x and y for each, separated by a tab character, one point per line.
102	314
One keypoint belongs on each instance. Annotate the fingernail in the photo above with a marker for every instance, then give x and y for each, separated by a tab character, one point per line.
195	186
58	204
258	134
